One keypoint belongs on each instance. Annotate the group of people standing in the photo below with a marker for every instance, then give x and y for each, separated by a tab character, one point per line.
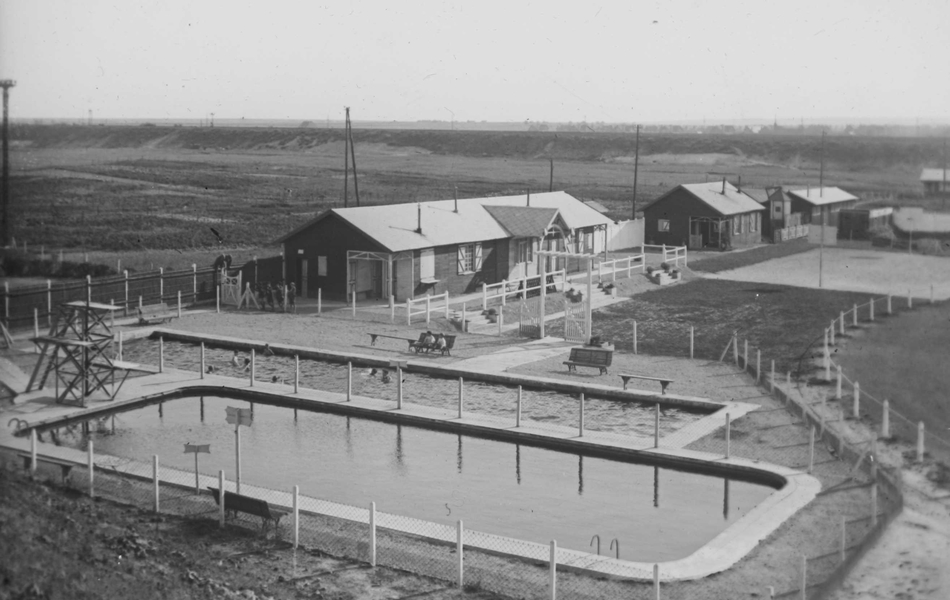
271	294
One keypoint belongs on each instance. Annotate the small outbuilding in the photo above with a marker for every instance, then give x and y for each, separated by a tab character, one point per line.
811	203
936	181
704	215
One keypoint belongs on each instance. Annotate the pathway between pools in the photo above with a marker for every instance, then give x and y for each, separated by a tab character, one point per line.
515	356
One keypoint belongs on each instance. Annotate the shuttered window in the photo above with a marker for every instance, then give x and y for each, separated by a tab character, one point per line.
469	258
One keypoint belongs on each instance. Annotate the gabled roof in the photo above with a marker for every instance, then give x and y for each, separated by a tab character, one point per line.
394	226
732	202
523	221
822	196
935	175
758	194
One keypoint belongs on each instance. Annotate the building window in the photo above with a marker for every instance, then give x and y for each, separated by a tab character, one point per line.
427	264
753	222
737	224
525	251
469	258
663	225
321	266
778	208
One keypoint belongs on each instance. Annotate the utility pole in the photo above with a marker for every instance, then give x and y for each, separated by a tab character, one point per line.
636	165
349	133
6	84
821	167
346	158
212	120
943	189
551	177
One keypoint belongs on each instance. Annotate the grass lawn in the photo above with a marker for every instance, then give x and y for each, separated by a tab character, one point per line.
784	322
723	261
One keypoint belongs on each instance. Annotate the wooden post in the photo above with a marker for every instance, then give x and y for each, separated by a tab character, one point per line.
656	426
501	320
126	303
399	387
161	284
459	531
728	435
461	396
217	299
831	331
119	354
745	355
874	504
88	288
484	296
253	365
656	581
886	420
49	301
552	570
202	366
871	309
691	340
372	534
392	308
465	318
580	432
354	304
296	373
772	378
32	452
518	411
221	498
735	348
889	312
296	507
319	301
194	283
856	405
161	354
155	485
920	441
838	385
36	328
428	308
349	381
811	449
91	467
635	337
758	364
179	304
408	312
841	322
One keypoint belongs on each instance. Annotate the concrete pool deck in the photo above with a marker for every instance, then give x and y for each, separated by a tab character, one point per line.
38	409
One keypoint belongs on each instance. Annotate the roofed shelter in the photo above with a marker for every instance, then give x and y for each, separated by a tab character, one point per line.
813	202
935	181
405	250
704	215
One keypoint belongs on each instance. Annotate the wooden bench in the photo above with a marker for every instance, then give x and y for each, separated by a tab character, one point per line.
373	336
419	346
235	503
65	465
663	381
155	313
590	357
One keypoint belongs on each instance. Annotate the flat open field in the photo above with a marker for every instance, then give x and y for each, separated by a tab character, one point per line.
143	189
866	271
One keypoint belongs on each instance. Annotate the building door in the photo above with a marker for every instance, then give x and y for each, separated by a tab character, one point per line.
301	277
696	233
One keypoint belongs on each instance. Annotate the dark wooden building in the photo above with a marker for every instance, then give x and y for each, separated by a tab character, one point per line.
812	202
704	215
408	250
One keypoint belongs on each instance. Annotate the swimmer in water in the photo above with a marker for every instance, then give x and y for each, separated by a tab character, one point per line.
235	360
247	364
387	378
268	351
210	369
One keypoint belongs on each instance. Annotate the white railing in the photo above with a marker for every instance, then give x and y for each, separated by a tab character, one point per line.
505	287
620	264
671	254
424	306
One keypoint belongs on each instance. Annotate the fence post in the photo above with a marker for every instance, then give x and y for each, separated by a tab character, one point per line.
656	426
36	328
408	312
691	340
635	337
805	560
253	365
161	354
831	331
32	452
428	307
841	322
91	467
728	435
461	396
580	432
194	283
772	378
758	364
296	515
221	498
161	284
656	581
854	316
392	308
464	318
349	381
217	298
319	301
844	538
49	302
745	355
504	291
372	534
484	296
518	411
920	441
458	551
874	504
354	304
886	420
399	387
202	360
735	348
838	385
296	373
501	321
811	448
118	355
155	481
126	303
552	570
179	304
871	309
856	405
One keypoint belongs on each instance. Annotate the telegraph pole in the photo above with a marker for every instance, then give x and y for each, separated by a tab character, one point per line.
636	165
346	158
821	168
6	84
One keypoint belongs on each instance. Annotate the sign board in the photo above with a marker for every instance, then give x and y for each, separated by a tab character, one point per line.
239	416
196	448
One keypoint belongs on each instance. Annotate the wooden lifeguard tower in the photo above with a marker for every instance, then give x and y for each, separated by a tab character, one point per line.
77	353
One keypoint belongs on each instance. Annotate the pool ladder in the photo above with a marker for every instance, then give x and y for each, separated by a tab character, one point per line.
613	543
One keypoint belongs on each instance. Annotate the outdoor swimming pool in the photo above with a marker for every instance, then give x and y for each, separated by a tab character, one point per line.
519	491
539	406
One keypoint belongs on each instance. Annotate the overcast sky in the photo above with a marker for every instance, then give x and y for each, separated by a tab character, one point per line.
620	61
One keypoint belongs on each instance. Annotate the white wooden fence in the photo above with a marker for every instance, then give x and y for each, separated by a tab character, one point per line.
425	306
505	288
627	263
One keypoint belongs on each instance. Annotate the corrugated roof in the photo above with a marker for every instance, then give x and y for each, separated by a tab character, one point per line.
935	175
759	195
393	226
822	196
523	221
732	202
